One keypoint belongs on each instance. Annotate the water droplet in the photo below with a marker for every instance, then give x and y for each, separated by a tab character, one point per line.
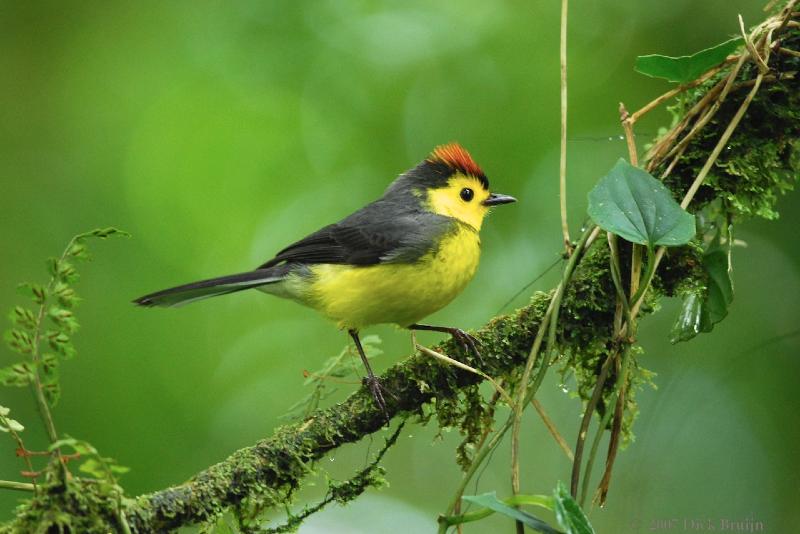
563	388
410	436
332	458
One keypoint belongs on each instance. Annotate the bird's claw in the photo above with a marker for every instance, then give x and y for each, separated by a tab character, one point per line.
375	388
467	341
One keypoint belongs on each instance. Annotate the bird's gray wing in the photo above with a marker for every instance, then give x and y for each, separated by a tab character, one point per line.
381	232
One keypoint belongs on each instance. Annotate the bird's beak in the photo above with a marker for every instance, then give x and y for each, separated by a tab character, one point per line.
495	199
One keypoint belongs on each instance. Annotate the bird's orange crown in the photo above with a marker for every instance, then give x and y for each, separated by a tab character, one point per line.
457	158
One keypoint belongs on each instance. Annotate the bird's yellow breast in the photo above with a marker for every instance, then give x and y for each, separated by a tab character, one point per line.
357	296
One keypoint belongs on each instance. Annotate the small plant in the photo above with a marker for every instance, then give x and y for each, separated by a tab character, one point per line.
41	336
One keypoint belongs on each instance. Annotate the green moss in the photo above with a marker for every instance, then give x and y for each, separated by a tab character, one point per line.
762	160
84	505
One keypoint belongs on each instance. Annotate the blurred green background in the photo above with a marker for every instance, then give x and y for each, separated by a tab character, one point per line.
216	133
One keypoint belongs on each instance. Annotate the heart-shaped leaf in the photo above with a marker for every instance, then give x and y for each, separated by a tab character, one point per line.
684	69
490	501
569	514
631	203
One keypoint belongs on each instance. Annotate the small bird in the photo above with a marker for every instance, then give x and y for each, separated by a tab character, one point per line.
396	260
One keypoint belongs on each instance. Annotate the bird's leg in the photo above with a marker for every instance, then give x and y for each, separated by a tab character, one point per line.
371	380
467	342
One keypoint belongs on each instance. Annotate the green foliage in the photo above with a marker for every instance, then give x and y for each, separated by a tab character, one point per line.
684	69
99	467
490	501
340	492
8	424
43	335
761	161
587	339
706	304
568	513
631	203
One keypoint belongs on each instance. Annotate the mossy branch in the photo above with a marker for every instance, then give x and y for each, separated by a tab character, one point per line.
761	161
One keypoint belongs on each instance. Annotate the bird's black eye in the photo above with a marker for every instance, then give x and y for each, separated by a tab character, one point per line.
467	194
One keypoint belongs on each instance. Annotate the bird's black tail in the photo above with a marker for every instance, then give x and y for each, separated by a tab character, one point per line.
180	295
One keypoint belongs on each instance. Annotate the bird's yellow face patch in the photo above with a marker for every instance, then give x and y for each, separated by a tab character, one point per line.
462	198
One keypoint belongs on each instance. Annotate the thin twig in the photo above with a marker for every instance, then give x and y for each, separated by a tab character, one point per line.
636	253
587	471
762	67
592	236
616	430
627	125
562	181
465	367
490	409
701	176
788	51
17	486
587	419
480	456
650	106
523	390
551	427
21	450
550	320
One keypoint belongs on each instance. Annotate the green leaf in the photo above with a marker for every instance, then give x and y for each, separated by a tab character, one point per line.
52	266
705	307
35	291
569	514
490	501
634	205
103	233
22	317
93	467
64	442
78	250
684	69
64	319
66	295
52	392
117	469
6	423
690	319
17	375
19	341
720	287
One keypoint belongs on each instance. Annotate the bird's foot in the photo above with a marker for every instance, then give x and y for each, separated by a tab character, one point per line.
467	341
374	384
